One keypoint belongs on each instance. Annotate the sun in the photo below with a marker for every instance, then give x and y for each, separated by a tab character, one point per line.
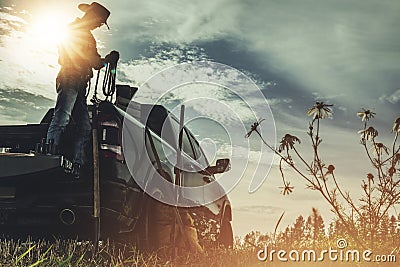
49	29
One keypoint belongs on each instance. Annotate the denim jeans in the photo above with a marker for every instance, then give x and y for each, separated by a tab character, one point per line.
71	104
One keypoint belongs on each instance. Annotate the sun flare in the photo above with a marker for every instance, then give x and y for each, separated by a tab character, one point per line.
49	30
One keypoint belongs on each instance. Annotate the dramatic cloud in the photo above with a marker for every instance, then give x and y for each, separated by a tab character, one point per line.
20	107
393	98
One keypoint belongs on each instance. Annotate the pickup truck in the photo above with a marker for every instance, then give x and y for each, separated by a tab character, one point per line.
39	198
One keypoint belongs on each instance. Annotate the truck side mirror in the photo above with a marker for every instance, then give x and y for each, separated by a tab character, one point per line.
221	166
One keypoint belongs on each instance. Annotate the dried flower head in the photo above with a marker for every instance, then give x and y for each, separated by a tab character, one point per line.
396	125
370	177
369	133
287	142
366	114
379	148
286	188
330	170
320	111
253	128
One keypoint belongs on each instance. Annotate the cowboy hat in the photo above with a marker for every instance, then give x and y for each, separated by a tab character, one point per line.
97	10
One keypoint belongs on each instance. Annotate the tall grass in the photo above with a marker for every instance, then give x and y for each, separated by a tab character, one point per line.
59	253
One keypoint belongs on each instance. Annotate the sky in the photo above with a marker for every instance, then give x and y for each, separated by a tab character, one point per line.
341	52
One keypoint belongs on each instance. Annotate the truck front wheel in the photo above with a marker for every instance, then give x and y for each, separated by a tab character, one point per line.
225	237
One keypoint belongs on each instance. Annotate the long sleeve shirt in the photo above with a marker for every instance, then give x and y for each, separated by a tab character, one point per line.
78	53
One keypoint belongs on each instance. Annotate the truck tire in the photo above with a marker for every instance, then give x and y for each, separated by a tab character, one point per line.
225	237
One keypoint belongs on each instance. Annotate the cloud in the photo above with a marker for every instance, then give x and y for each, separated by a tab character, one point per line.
7	17
296	55
259	209
27	67
334	46
334	49
277	101
393	98
174	21
21	107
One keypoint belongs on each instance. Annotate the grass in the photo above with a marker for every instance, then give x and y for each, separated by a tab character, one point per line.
60	253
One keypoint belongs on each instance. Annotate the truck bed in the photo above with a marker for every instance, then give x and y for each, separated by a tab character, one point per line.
22	138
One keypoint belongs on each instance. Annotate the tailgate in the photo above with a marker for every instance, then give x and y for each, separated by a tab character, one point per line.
17	164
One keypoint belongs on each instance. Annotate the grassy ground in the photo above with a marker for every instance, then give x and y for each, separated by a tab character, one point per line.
71	253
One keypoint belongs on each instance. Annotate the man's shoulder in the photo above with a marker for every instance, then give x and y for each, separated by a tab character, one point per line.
75	24
76	28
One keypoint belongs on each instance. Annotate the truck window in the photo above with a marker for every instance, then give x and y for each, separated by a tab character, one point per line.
199	155
186	144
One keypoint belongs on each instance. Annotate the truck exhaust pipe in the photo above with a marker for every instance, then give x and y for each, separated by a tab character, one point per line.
67	217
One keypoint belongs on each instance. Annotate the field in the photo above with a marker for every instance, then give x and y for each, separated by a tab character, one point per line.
72	253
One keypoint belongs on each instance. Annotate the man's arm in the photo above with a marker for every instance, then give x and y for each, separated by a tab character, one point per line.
93	57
